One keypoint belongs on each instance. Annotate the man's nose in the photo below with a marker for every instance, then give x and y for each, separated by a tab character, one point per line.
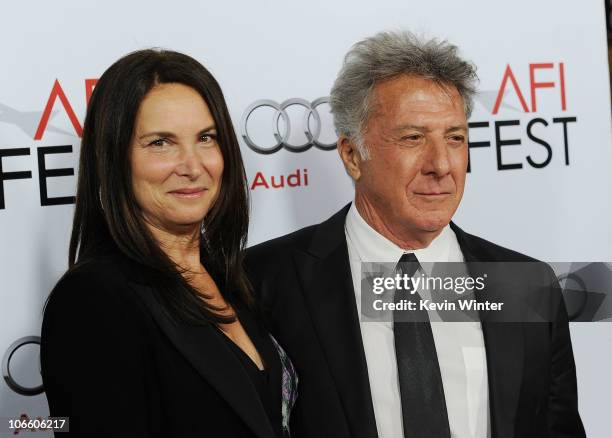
437	160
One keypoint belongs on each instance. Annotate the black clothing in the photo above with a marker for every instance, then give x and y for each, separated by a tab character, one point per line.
304	285
118	366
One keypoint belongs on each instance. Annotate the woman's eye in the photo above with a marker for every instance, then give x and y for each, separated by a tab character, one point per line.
208	138
159	142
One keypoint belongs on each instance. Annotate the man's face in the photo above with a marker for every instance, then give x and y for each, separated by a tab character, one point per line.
417	138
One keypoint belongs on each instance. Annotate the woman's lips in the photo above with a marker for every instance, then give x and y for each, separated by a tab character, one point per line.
188	193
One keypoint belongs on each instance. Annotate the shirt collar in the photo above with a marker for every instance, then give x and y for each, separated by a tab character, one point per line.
371	246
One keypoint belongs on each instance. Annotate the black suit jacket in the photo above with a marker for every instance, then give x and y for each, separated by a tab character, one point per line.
115	364
305	287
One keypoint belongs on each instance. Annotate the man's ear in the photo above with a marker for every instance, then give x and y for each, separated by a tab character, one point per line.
349	153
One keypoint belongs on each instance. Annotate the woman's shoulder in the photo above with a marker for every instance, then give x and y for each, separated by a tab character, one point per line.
100	283
92	274
89	316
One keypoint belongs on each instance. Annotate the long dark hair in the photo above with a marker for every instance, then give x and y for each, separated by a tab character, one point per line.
106	212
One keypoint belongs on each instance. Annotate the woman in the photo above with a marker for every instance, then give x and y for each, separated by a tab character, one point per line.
151	331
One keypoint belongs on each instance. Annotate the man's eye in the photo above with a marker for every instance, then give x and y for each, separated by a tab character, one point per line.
457	139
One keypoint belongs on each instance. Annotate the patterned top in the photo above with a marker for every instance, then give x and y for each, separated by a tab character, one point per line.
289	385
279	371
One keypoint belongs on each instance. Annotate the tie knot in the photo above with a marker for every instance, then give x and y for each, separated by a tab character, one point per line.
408	264
408	257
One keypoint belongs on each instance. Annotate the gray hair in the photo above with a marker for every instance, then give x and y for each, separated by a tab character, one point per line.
384	56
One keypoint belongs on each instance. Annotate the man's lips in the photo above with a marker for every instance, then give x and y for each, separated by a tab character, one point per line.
188	193
432	193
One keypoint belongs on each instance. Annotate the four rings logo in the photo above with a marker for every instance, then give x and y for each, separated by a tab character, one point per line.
310	124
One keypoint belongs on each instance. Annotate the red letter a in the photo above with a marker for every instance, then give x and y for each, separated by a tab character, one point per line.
56	92
508	74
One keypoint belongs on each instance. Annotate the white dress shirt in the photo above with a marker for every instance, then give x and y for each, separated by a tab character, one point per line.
459	345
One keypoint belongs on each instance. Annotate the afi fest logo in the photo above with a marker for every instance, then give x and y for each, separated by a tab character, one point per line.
44	173
542	137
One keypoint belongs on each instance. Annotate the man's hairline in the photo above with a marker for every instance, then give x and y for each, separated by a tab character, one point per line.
358	137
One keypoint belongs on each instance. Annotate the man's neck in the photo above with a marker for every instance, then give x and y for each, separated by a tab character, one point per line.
402	236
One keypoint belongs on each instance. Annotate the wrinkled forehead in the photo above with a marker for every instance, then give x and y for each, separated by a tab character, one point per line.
389	91
409	97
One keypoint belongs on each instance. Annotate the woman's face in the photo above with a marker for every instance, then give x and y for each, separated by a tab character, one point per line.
176	162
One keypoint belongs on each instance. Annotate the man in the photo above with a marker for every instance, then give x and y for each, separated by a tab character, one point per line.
400	106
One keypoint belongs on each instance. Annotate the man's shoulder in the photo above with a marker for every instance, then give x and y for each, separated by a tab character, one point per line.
282	245
480	249
318	237
270	258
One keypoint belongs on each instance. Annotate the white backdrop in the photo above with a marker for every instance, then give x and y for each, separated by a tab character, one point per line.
274	49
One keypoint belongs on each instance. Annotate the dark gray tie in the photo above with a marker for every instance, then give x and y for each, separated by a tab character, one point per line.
422	394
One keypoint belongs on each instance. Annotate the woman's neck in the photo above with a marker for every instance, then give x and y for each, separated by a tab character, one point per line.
183	247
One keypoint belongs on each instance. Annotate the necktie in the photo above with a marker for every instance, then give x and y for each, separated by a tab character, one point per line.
421	391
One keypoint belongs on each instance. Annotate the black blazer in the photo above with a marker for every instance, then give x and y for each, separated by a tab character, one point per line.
305	287
114	363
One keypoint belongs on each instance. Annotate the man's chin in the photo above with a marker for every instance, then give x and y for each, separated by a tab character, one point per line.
433	224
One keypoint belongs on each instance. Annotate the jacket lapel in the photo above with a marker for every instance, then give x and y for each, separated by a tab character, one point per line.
214	361
504	351
325	275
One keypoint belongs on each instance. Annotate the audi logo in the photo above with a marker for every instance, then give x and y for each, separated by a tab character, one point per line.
310	124
6	367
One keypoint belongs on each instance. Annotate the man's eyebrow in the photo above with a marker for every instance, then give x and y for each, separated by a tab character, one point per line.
426	129
411	126
457	128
